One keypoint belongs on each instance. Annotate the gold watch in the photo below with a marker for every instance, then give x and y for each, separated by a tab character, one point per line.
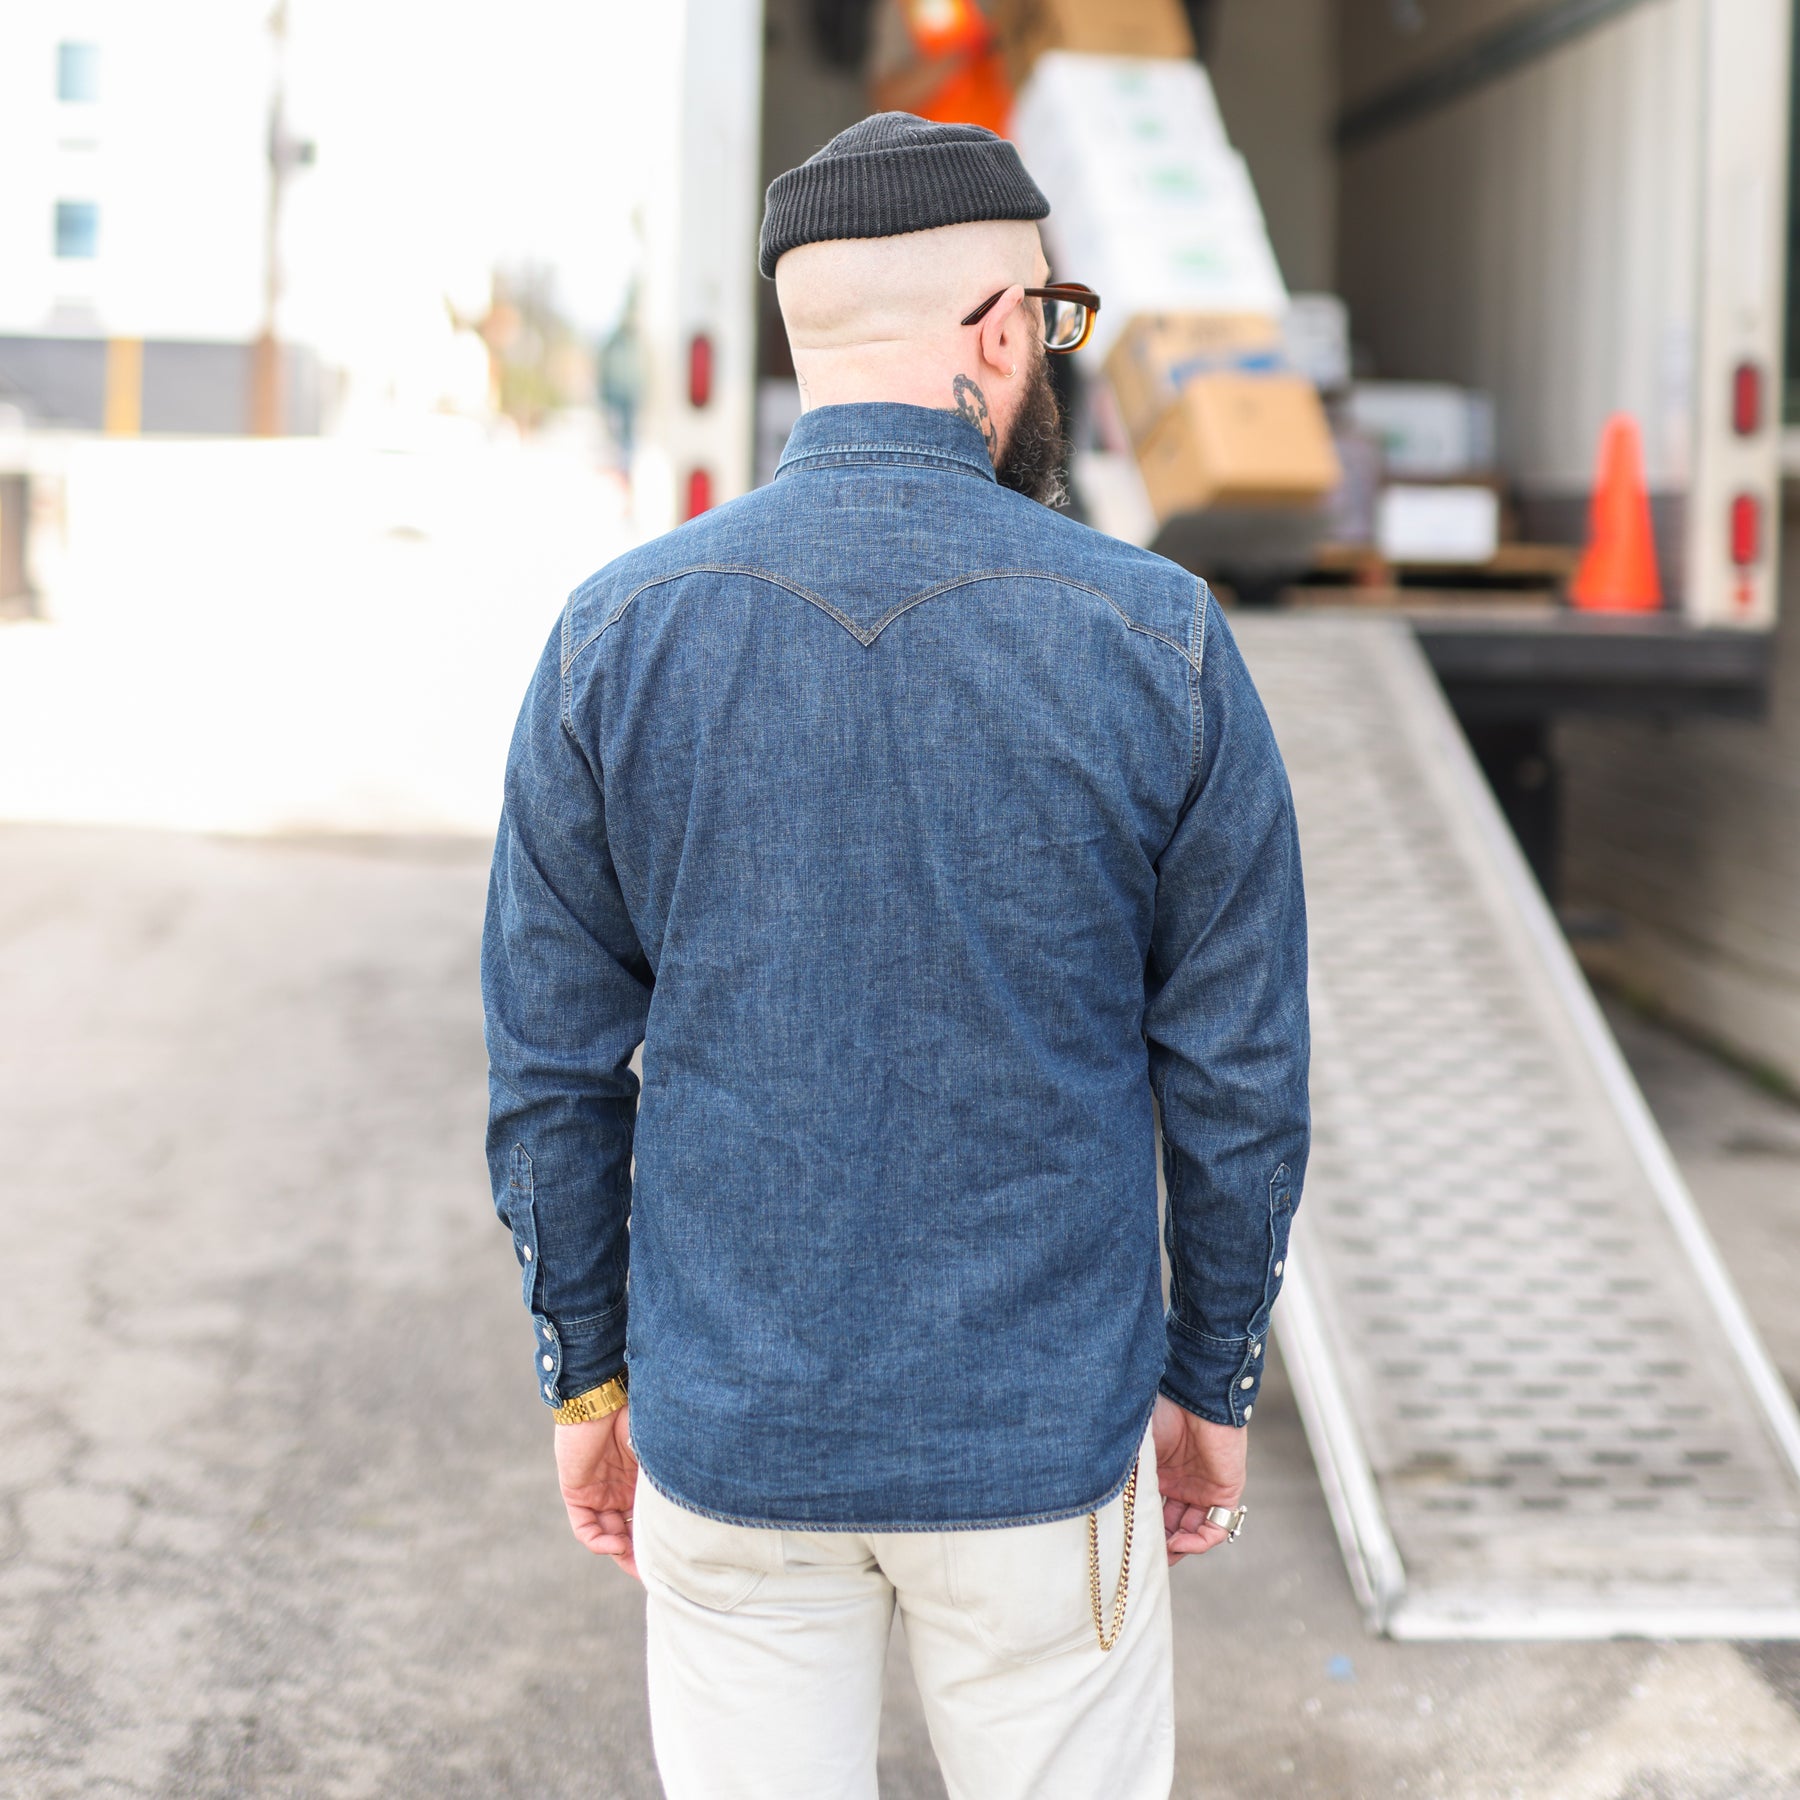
596	1403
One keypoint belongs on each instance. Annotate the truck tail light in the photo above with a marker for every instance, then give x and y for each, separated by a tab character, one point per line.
1746	530
699	493
1746	399
700	369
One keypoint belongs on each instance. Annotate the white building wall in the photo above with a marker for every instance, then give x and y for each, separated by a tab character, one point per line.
173	152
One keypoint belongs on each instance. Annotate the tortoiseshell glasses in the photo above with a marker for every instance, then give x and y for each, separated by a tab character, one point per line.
1069	310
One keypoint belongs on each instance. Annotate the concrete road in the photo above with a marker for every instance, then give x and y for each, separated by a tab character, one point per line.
276	1509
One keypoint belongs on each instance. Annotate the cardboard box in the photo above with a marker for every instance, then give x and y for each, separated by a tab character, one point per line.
1027	28
1455	523
1148	201
1315	331
1152	103
1158	352
1426	428
1111	138
1240	440
1192	269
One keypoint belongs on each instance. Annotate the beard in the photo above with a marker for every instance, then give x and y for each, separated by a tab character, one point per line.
1032	459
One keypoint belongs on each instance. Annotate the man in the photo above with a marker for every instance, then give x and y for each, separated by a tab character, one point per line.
920	836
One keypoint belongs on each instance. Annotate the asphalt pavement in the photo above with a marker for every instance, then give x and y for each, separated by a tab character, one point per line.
276	1506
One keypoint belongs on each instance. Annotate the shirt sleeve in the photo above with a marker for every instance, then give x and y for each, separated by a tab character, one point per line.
1226	1026
566	990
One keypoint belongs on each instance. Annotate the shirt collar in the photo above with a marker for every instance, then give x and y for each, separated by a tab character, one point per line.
885	432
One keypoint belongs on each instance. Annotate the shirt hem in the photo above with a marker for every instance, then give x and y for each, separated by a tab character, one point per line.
1049	1516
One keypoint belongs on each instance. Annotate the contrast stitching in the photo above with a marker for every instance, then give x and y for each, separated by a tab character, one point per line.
903	448
592	1325
792	587
1206	1337
867	638
1196	704
910	452
1027	575
568	662
1173	1175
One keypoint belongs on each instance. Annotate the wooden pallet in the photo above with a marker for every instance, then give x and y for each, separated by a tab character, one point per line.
1359	573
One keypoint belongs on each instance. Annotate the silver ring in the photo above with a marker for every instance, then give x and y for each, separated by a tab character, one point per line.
1233	1522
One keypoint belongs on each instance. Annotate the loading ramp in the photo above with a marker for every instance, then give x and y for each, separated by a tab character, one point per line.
1537	1406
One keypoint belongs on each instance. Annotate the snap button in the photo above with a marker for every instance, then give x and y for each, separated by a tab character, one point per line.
1248	1410
1278	1268
1248	1381
549	1334
549	1362
525	1251
1256	1349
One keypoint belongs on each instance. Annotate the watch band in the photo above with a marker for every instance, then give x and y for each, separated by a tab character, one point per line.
596	1403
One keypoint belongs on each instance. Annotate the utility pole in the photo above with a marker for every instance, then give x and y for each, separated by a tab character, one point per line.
286	154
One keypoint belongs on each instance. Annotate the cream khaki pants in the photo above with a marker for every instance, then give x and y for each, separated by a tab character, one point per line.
766	1651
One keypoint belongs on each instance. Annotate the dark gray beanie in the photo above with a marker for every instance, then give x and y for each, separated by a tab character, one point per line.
893	173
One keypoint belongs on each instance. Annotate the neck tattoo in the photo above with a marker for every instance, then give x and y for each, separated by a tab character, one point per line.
971	402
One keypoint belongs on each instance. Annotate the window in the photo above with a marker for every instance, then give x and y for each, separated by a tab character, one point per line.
77	228
78	71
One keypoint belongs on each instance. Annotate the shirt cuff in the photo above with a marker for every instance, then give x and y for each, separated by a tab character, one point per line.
573	1355
1213	1378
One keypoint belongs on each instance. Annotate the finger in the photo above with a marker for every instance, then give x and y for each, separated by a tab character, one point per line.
628	1563
1190	1515
603	1543
1193	1518
1197	1543
604	1534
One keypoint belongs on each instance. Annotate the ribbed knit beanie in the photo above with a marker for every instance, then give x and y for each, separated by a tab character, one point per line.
893	173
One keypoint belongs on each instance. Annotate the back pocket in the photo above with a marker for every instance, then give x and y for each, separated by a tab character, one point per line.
704	1561
1024	1588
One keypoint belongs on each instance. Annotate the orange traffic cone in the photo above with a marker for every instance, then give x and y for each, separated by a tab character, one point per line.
1617	572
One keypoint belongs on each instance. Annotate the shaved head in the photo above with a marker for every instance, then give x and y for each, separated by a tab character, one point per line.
909	289
873	319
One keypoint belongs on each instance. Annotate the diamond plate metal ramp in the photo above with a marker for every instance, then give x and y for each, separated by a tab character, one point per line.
1537	1406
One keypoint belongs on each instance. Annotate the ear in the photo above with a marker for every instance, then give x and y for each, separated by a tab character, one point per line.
1005	334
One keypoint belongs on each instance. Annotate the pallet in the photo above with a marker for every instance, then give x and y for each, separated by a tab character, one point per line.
1359	573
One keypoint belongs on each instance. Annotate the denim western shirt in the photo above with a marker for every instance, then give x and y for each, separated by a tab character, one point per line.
920	836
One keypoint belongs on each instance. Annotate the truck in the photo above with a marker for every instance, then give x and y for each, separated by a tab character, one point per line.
1578	207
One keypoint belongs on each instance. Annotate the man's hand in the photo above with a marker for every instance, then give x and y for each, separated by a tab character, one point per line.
1198	1464
598	1474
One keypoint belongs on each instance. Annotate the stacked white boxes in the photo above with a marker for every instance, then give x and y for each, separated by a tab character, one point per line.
1425	428
1149	203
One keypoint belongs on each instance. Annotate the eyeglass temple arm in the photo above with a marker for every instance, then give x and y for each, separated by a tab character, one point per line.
982	311
1071	290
